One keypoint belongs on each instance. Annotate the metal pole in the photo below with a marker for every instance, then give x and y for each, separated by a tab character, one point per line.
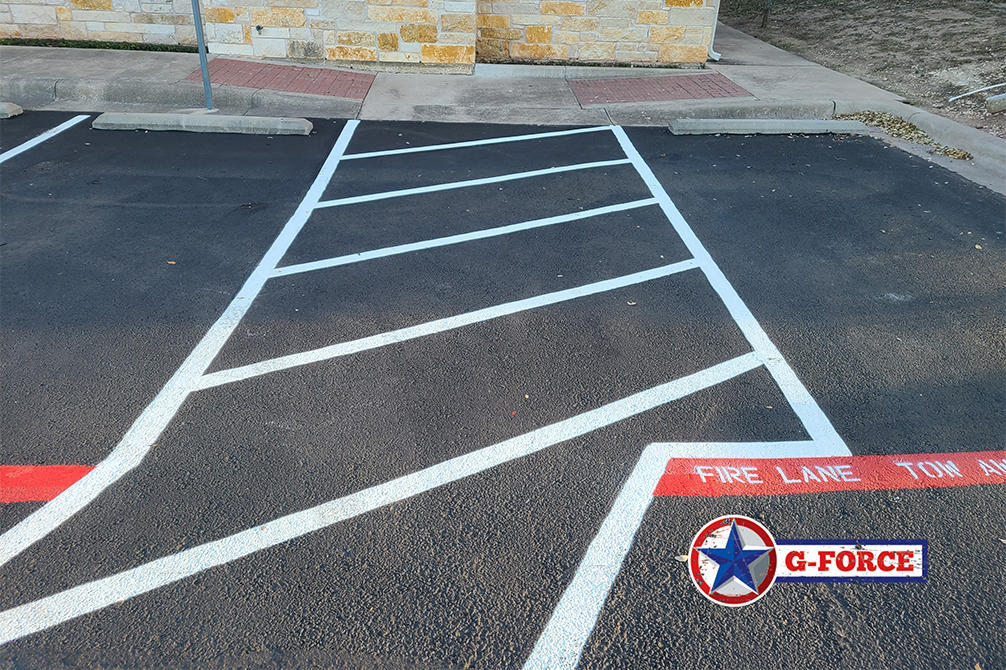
197	16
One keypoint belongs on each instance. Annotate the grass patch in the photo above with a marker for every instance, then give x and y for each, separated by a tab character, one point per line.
98	44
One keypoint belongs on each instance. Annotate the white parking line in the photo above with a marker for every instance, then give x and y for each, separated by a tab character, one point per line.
137	441
93	596
457	239
370	197
52	132
806	408
576	615
573	621
561	643
476	143
436	326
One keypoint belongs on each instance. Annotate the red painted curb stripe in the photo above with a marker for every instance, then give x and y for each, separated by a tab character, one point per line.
776	476
32	483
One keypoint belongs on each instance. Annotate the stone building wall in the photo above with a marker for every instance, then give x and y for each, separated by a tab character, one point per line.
392	31
389	31
603	31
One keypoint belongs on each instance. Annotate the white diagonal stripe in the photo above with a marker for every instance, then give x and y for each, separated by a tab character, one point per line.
476	143
437	326
155	417
52	132
369	197
806	408
457	239
93	596
573	620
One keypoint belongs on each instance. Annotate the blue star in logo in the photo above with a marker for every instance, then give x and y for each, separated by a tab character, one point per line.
734	561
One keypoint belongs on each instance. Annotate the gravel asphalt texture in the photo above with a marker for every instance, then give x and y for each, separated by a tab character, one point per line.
879	276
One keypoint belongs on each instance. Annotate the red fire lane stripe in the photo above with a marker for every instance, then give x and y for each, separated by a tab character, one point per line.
776	476
28	483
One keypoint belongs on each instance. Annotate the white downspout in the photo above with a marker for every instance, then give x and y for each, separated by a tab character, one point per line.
712	54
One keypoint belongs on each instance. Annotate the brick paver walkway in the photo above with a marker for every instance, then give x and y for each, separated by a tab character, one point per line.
650	89
292	78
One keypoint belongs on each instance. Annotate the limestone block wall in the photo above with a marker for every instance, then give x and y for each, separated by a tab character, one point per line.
390	31
393	31
603	31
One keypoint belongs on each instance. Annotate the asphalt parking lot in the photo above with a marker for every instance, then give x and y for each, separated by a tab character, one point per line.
344	415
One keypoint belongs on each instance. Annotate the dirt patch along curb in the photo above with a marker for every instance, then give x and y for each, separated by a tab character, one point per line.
941	129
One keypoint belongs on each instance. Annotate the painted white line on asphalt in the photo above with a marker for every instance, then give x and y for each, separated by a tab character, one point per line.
436	326
780	449
568	629
457	239
370	197
52	132
475	143
47	612
137	441
814	420
572	621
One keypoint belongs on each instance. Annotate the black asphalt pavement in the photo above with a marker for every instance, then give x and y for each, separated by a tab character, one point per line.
880	277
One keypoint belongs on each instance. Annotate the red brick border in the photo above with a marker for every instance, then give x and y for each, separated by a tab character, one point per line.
652	89
291	78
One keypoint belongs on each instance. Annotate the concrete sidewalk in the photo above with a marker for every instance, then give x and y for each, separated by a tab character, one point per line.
779	84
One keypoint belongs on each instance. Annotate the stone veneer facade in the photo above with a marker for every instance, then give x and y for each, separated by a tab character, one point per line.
454	32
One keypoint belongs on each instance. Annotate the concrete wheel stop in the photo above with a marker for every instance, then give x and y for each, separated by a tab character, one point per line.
9	109
203	123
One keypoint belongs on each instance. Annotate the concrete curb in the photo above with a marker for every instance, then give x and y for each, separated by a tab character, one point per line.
28	91
34	92
722	109
90	94
941	129
9	109
763	126
203	123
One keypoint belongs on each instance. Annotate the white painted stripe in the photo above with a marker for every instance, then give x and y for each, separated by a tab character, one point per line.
457	239
137	441
93	596
475	143
370	197
780	449
568	629
436	326
814	420
52	132
572	621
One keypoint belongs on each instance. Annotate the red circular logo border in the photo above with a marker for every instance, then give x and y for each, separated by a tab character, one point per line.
693	560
